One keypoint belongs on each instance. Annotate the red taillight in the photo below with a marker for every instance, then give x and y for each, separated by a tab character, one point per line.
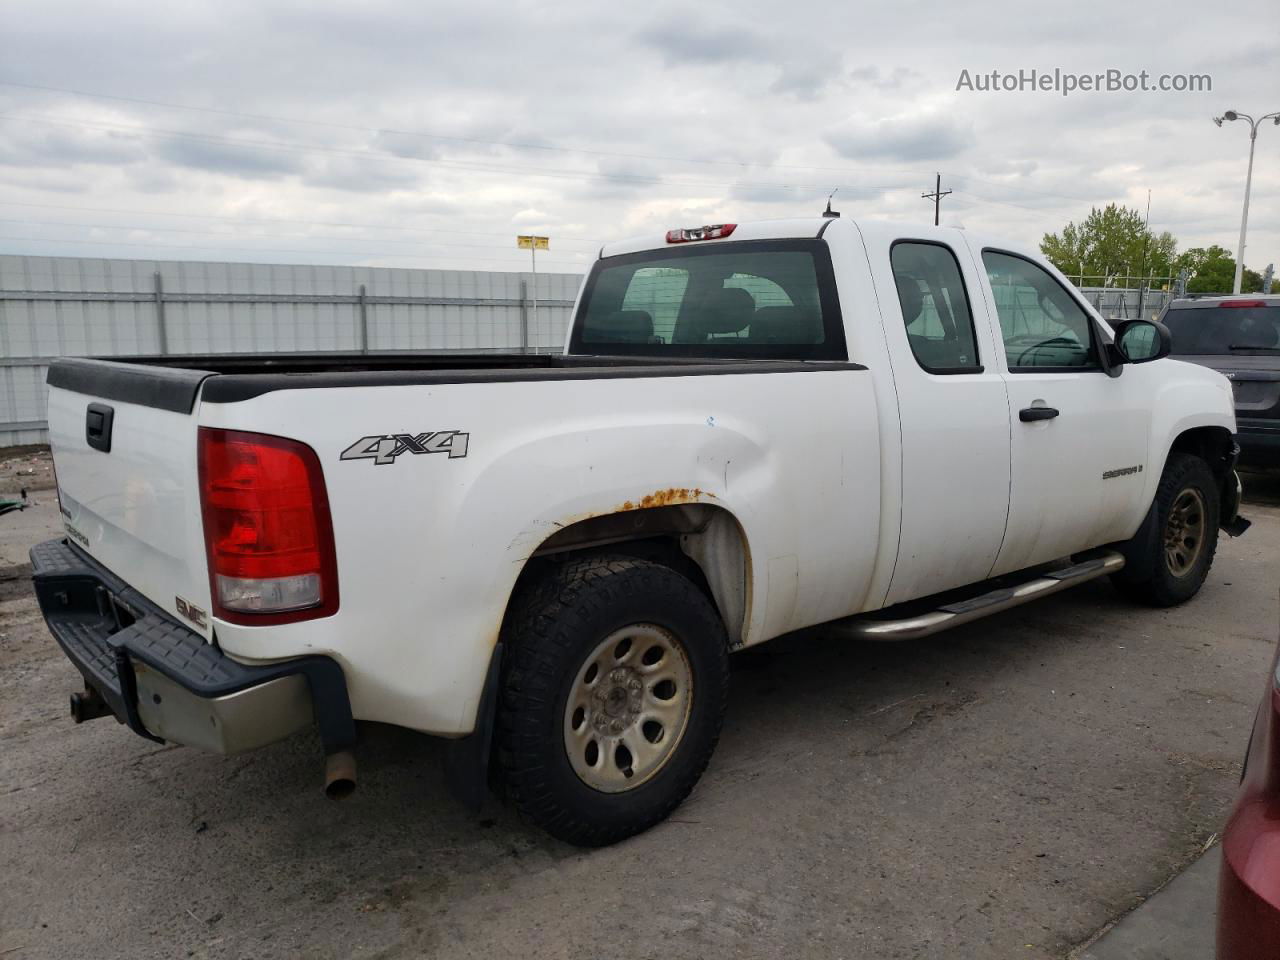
267	528
1243	303
714	231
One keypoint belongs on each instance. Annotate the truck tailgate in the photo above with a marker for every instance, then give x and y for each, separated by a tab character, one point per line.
124	447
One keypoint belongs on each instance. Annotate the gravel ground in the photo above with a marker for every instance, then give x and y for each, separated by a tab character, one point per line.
29	468
1007	789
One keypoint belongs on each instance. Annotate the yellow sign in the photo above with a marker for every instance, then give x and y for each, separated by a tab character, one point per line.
533	243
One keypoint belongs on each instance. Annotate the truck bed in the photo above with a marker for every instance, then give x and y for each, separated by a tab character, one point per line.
172	382
546	442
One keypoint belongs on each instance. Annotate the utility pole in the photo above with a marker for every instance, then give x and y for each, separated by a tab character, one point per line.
533	245
936	197
1146	235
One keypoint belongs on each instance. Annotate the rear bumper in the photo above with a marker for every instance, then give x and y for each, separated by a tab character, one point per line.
166	682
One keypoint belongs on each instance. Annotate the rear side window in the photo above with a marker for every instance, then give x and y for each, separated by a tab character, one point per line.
770	299
935	307
1205	331
1043	327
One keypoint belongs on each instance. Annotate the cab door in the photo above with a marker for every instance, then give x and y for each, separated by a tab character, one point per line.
1078	436
954	413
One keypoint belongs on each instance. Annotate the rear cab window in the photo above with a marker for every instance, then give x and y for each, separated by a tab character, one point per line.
1235	327
935	307
766	299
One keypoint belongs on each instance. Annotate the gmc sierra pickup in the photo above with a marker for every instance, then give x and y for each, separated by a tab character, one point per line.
753	429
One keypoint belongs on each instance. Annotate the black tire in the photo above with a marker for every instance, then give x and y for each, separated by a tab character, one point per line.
558	620
1149	575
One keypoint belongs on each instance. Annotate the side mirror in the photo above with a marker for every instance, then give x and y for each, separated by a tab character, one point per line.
1140	341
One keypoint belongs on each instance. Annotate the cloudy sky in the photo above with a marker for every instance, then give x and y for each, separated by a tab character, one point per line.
428	135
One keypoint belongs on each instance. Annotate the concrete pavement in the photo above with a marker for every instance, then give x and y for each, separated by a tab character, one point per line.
1004	790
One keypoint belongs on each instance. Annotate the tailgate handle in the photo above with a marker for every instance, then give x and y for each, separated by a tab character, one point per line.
97	426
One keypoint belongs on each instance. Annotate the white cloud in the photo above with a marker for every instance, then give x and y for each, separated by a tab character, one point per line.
393	115
902	139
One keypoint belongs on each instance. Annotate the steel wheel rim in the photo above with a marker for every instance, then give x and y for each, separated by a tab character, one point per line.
1184	532
628	708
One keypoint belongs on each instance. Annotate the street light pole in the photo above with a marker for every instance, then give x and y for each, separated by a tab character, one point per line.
1244	216
1248	182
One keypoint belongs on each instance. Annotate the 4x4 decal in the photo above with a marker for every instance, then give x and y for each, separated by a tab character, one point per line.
384	448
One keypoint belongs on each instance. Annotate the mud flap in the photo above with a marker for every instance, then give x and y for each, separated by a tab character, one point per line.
1232	492
466	760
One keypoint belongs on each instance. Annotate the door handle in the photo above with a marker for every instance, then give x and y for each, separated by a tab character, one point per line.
1031	414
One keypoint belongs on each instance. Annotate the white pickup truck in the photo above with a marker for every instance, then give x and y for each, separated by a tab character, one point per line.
753	429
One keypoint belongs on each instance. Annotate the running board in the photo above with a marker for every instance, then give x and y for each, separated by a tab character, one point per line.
983	605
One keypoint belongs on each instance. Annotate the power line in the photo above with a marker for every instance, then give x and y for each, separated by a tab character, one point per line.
234	236
323	253
242	220
514	145
557	174
1014	186
977	197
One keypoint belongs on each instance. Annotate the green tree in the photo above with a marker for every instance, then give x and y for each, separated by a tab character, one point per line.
1111	242
1213	270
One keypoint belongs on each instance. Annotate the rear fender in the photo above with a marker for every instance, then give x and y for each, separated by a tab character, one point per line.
533	498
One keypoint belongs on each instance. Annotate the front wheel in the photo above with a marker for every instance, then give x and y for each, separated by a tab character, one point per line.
613	696
1168	560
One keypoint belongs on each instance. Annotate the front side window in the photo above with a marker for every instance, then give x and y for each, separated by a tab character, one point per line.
770	299
1043	326
935	307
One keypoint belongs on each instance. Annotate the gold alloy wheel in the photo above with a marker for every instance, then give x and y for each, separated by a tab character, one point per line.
1184	532
628	708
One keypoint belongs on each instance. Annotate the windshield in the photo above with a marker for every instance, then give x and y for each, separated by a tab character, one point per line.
1198	331
768	299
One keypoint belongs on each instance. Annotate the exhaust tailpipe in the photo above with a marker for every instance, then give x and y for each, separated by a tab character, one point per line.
339	774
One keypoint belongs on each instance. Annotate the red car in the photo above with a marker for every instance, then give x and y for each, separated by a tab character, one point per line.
1249	886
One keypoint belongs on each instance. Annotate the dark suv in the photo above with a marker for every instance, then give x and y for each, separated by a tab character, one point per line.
1238	336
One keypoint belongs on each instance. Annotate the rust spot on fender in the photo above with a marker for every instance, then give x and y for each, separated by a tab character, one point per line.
667	497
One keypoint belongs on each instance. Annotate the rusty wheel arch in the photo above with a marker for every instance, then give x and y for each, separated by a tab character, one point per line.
702	541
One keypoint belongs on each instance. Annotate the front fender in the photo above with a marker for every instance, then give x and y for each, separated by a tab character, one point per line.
1186	397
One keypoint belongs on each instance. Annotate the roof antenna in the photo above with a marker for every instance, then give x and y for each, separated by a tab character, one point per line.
829	212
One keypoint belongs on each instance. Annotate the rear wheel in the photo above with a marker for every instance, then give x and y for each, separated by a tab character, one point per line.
1167	561
613	697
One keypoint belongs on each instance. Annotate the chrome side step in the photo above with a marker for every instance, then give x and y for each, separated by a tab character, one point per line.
1002	598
